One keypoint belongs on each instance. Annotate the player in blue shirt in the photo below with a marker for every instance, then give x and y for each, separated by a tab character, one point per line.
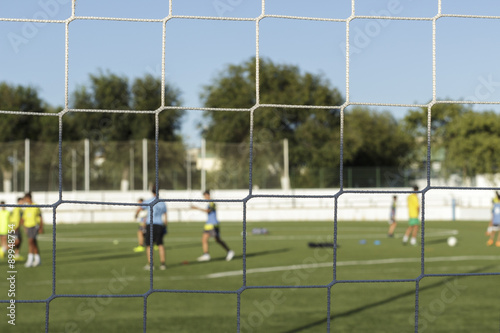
495	221
211	229
159	220
392	217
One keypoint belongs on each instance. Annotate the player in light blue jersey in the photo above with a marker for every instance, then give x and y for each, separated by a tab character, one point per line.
211	229
392	218
495	221
159	225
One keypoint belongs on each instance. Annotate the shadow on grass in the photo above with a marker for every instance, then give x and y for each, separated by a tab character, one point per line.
436	241
72	260
236	257
383	302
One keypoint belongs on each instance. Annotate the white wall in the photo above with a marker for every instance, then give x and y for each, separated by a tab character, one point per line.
264	205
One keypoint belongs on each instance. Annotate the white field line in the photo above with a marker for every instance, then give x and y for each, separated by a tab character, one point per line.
158	277
344	263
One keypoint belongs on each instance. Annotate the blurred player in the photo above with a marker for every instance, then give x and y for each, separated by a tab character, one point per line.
495	222
141	215
392	218
33	225
16	221
4	229
211	229
159	220
413	222
495	200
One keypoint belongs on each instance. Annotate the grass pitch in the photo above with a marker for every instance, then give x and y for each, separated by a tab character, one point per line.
101	286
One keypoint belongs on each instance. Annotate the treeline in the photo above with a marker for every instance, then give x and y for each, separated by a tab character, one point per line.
464	142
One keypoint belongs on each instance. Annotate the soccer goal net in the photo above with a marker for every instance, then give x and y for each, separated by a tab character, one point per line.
273	284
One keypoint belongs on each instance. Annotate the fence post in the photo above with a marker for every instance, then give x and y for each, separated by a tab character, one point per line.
26	165
87	164
131	168
203	157
14	176
188	170
285	181
144	164
73	169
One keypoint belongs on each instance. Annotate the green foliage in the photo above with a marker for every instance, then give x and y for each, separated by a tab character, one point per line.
374	139
370	138
472	143
416	123
24	99
111	92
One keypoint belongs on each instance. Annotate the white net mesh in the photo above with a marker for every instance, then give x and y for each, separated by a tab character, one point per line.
224	8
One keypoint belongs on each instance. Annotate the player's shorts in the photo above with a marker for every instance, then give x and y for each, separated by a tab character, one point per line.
212	230
413	221
157	234
17	234
32	232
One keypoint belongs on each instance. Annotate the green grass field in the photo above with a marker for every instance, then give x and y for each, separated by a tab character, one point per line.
202	297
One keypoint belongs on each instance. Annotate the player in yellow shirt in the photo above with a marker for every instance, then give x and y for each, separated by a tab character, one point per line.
4	229
16	221
33	225
414	213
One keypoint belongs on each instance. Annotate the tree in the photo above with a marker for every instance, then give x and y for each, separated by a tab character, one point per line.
15	128
415	121
24	99
370	138
111	92
279	84
109	133
375	138
472	144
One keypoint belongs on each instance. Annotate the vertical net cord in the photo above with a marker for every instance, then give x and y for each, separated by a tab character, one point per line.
60	131
428	168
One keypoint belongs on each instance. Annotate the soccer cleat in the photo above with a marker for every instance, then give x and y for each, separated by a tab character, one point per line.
230	255
19	257
139	248
163	267
27	264
2	254
204	257
489	242
148	267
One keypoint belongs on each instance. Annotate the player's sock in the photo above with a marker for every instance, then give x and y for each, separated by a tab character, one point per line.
413	241
36	260
405	239
29	261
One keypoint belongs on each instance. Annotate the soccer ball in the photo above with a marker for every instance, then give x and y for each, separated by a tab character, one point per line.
452	241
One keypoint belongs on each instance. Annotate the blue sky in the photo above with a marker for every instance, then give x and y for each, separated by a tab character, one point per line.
390	63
